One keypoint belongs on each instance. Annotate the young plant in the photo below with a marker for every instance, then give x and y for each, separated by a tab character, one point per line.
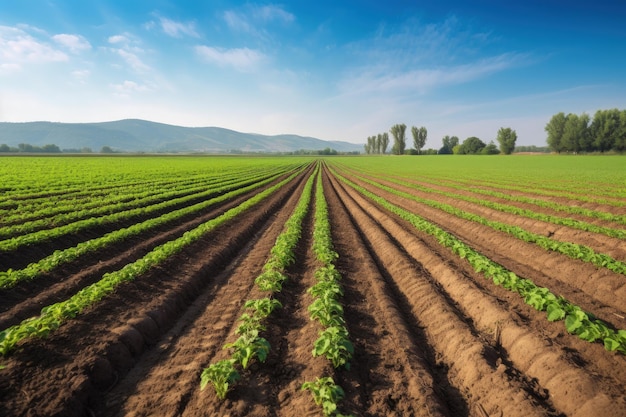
334	343
325	393
263	307
328	311
248	346
221	374
249	324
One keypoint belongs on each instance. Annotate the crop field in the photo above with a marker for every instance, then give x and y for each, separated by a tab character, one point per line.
294	286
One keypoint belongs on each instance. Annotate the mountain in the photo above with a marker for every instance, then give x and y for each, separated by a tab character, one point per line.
133	135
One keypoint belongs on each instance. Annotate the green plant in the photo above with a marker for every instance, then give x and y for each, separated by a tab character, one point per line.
221	374
263	307
325	393
247	347
334	343
327	310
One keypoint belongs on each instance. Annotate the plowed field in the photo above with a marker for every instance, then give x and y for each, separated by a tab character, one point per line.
431	336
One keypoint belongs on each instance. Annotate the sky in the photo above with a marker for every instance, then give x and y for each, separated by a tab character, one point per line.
330	69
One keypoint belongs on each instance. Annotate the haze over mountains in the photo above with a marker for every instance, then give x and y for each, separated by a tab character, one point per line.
133	135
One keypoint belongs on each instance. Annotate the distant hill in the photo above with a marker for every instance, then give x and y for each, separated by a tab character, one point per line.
132	135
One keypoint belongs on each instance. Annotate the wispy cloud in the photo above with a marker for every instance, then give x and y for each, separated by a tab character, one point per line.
126	47
128	88
18	47
416	58
383	79
255	20
133	60
178	29
241	59
81	75
118	39
75	43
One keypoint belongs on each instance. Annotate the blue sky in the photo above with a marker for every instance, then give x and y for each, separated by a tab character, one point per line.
336	70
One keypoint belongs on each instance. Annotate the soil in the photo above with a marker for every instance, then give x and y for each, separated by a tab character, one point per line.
431	336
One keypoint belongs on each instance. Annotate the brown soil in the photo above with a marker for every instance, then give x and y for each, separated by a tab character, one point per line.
431	337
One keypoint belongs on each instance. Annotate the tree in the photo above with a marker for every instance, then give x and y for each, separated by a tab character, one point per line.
506	138
449	142
384	142
490	149
620	143
555	128
379	144
51	148
5	148
106	149
399	136
576	136
604	129
471	146
419	137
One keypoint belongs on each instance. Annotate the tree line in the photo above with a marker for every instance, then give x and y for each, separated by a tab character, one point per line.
50	148
378	144
578	133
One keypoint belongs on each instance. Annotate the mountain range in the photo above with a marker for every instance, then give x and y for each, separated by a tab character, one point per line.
134	135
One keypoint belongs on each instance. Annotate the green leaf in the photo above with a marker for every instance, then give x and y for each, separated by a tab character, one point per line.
555	312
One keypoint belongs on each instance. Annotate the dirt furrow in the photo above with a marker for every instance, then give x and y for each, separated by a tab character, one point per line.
27	298
454	341
60	376
389	374
563	275
596	390
467	192
27	254
600	243
166	379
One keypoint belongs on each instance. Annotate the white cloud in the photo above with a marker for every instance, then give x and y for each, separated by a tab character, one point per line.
178	29
115	39
237	21
81	75
18	47
74	43
272	12
132	60
385	79
241	59
253	19
127	88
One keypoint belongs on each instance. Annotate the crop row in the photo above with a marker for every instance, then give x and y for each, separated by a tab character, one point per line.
250	345
19	210
29	217
54	315
547	191
476	187
597	214
34	270
572	250
577	321
505	208
124	210
75	227
334	340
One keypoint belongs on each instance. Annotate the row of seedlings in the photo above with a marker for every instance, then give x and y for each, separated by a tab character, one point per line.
56	314
583	324
572	250
518	211
334	340
34	270
39	236
250	345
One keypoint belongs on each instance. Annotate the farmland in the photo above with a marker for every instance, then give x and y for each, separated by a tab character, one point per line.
281	286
